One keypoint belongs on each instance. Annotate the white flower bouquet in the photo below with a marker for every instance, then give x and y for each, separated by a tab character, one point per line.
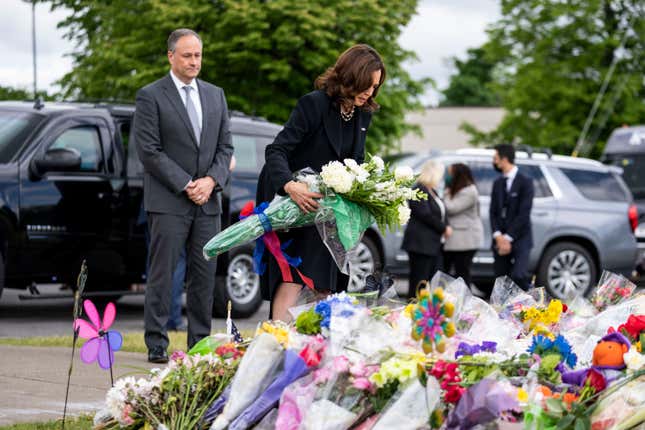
355	195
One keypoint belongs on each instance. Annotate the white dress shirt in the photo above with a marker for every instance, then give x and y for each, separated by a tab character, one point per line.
194	95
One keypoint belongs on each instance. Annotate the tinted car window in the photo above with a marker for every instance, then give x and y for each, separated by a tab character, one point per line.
86	141
540	184
633	172
249	152
596	185
14	128
484	176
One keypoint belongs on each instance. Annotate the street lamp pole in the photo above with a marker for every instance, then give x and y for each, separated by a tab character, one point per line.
33	44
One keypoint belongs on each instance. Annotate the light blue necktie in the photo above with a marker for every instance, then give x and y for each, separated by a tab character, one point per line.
192	114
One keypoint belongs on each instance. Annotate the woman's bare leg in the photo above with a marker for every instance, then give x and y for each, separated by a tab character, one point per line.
285	297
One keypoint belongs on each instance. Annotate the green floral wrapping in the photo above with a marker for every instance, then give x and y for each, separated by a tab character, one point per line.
283	214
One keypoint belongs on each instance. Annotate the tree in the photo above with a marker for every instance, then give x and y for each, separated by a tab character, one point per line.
265	54
554	58
10	93
471	84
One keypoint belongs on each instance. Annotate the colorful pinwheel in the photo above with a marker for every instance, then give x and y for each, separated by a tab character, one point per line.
431	320
101	343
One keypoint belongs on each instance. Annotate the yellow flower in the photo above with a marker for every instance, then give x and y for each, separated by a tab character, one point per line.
639	347
281	334
408	310
522	396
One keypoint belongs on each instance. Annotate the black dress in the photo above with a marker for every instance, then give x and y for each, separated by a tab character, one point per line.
314	135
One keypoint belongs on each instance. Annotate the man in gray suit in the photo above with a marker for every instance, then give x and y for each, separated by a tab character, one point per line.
182	136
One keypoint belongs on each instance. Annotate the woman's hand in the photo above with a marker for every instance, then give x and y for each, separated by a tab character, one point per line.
448	232
299	193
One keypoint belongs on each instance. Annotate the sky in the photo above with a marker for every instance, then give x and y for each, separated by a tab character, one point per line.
441	29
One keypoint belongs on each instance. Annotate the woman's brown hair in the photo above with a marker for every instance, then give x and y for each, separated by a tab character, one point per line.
461	178
351	75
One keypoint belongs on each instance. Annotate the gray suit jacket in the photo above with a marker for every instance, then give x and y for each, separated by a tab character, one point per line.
462	211
167	147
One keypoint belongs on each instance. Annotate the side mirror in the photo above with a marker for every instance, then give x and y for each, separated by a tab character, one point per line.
58	160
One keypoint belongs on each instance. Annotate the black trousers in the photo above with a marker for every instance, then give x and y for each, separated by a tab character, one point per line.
169	235
458	264
515	265
422	268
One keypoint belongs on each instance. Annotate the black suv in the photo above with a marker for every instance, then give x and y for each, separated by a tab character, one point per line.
71	190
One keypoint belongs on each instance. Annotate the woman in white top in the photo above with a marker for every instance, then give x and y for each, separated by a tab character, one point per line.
461	200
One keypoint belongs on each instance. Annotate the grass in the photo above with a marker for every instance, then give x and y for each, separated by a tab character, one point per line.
132	341
81	423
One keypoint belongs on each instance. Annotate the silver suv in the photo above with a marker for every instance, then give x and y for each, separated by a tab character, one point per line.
583	220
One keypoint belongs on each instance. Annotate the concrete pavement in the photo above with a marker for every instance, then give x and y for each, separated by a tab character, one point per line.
33	380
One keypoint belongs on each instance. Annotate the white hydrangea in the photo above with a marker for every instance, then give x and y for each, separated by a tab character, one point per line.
117	395
404	214
403	173
336	176
634	360
379	163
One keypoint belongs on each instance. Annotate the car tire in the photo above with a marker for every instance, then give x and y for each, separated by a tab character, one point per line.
365	260
240	285
566	269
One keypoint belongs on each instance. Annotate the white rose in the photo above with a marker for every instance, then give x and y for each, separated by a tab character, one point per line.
351	163
336	176
404	214
634	360
378	162
403	173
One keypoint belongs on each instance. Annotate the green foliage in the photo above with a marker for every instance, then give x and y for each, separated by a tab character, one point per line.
383	395
10	93
553	58
308	322
81	423
264	54
471	84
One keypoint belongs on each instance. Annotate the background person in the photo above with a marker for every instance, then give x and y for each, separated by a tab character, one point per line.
427	228
510	218
183	139
327	124
461	199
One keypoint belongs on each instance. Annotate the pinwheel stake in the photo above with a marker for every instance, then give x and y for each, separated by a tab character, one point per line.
80	287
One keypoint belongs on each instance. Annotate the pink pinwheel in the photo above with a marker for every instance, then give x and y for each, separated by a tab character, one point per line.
102	343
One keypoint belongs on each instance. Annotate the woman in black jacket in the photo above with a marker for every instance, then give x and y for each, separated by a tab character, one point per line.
427	228
326	125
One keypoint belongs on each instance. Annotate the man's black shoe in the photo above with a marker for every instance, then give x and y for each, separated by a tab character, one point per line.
157	355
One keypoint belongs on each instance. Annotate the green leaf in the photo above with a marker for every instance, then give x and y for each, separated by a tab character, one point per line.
583	423
555	405
565	422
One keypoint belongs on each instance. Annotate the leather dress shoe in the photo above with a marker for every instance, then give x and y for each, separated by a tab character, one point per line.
157	354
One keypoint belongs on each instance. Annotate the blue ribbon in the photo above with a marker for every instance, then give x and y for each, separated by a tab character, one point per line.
258	265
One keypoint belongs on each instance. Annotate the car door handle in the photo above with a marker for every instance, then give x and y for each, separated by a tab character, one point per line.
541	213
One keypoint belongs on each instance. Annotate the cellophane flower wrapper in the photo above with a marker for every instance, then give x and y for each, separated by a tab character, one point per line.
262	360
612	289
293	368
294	402
622	409
508	299
209	344
455	291
408	409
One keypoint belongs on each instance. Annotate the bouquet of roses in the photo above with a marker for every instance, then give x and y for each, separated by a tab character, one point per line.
354	196
175	397
612	289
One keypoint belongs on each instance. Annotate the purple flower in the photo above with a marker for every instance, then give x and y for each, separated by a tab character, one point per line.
467	349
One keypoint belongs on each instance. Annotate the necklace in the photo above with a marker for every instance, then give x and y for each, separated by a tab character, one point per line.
347	116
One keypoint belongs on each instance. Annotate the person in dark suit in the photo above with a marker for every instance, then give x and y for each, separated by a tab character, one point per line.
183	138
327	124
427	229
510	218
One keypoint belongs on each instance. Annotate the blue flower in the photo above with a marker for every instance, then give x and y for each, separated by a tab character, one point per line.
324	310
540	345
562	346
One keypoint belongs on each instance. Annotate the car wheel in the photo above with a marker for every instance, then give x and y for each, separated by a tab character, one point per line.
364	261
567	269
241	286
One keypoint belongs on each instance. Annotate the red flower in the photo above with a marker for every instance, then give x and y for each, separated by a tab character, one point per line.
564	308
596	380
454	394
311	357
634	326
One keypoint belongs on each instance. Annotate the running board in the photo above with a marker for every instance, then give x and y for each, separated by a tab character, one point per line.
88	294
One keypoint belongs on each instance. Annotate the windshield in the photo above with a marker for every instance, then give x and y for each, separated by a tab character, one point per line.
633	172
14	128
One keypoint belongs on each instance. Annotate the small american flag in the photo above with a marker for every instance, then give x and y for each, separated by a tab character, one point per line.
231	330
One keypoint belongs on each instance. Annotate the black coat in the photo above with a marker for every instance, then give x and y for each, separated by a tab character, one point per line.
510	212
310	138
426	226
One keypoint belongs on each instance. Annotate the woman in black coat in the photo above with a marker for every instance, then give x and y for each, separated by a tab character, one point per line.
427	229
326	125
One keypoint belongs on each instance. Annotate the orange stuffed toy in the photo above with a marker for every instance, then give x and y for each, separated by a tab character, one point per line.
609	352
